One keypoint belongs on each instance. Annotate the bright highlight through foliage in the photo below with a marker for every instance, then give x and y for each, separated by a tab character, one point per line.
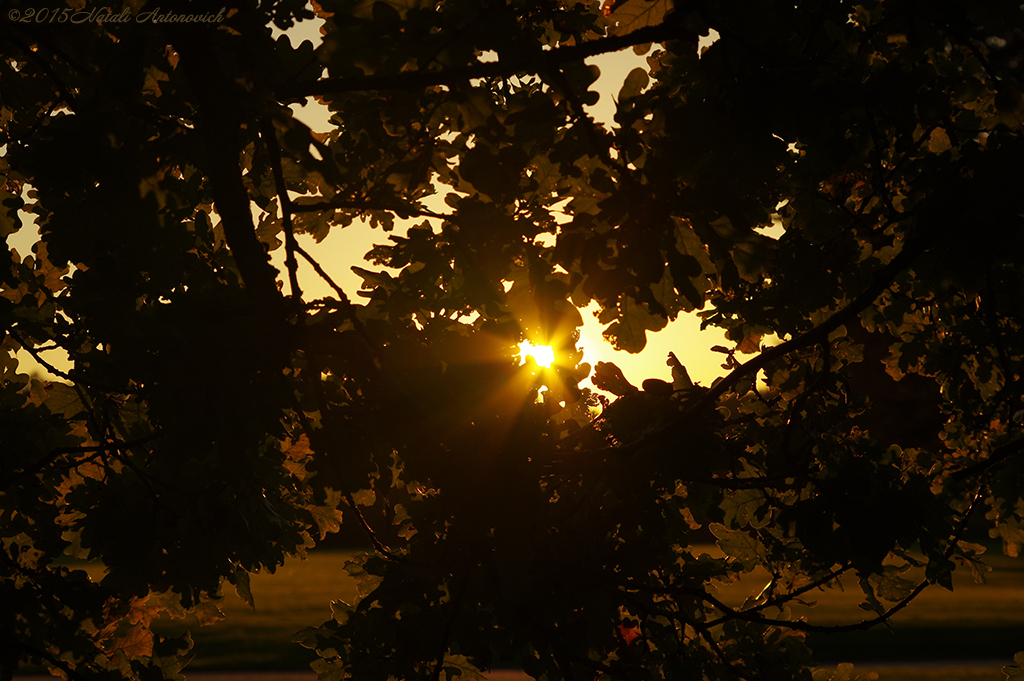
543	355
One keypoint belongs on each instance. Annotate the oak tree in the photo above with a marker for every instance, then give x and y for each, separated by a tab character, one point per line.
837	185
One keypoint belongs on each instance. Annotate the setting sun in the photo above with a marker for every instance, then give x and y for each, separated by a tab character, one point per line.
543	355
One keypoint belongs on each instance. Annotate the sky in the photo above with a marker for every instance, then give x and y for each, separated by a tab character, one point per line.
346	247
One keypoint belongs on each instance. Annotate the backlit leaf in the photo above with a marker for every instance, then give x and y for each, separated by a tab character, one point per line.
138	642
328	516
630	15
243	587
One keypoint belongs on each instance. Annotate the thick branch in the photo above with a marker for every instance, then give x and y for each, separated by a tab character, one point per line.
220	101
503	68
882	280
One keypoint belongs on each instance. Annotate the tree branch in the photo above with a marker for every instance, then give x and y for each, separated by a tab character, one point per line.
796	593
62	88
220	101
346	304
34	352
69	672
314	441
531	63
750	616
882	280
561	656
31	349
998	455
57	453
402	210
705	633
273	148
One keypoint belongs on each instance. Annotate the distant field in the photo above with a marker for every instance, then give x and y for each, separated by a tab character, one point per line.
972	622
969	624
943	673
298	595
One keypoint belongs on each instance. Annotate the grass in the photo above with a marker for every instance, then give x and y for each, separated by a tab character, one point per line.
296	596
973	622
938	673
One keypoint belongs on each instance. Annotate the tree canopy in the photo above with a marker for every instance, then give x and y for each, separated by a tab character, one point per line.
837	185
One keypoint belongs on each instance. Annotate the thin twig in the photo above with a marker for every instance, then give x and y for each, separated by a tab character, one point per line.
314	441
346	304
561	657
402	210
988	303
32	350
71	673
998	455
796	593
705	633
63	90
750	616
57	453
270	138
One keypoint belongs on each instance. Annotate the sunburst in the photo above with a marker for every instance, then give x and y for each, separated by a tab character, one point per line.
543	355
